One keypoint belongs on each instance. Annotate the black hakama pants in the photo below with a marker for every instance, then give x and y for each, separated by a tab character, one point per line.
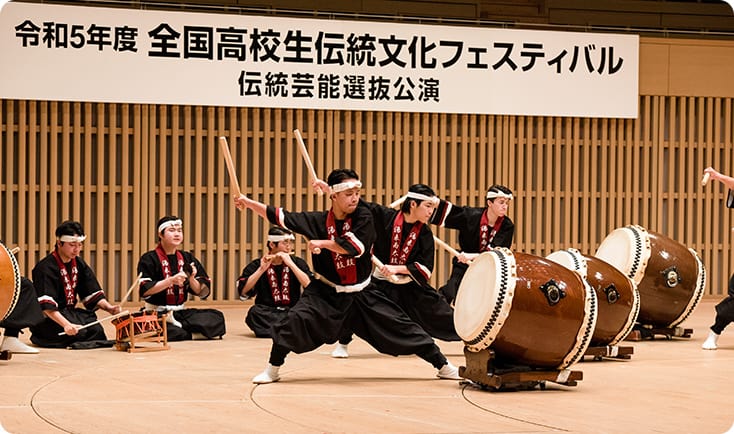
46	334
322	315
208	322
260	318
425	307
27	312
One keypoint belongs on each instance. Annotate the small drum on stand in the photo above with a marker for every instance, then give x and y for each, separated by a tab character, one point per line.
618	298
525	311
670	278
143	326
9	288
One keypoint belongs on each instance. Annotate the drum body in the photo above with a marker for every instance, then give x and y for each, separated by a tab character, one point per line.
670	278
141	324
616	294
528	309
9	282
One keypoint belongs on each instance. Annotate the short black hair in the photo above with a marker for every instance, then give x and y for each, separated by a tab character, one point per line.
337	176
416	188
497	188
69	227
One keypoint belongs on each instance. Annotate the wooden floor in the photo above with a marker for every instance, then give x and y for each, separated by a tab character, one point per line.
668	386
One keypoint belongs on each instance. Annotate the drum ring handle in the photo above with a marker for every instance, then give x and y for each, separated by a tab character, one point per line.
552	292
672	278
612	294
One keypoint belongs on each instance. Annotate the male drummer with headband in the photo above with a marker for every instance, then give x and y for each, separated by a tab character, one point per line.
480	229
168	276
275	280
340	241
725	308
61	279
405	246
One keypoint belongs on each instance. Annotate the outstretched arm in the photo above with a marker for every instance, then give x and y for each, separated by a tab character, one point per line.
242	202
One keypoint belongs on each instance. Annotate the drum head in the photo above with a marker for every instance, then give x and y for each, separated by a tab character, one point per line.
484	298
571	259
627	249
9	282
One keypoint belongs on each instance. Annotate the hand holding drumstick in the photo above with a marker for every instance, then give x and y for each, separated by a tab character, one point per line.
711	173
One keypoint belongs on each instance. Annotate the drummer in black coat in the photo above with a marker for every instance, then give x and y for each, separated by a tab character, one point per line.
480	229
275	280
725	308
405	246
341	240
62	279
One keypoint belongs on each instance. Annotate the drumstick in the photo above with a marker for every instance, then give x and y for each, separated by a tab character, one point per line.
705	179
117	315
379	265
306	158
234	184
129	291
15	250
445	246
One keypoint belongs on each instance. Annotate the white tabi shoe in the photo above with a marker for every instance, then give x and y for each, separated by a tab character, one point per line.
269	375
449	372
710	342
171	320
340	352
15	346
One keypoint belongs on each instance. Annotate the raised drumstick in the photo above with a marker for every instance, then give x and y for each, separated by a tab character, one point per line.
234	184
705	179
445	246
306	158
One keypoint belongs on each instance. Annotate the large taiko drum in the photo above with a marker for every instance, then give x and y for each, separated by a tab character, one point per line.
527	309
616	294
669	277
9	282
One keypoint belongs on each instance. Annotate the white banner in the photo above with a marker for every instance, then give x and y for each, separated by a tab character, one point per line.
69	53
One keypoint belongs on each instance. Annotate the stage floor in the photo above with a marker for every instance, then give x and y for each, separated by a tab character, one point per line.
668	386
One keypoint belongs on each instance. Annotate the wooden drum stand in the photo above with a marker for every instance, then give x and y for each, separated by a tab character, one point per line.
481	370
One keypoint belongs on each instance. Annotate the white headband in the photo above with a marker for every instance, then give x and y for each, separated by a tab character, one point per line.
418	196
496	194
336	188
168	224
72	238
279	238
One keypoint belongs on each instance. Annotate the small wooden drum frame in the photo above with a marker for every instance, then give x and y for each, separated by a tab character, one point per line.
143	326
526	309
619	301
670	278
9	282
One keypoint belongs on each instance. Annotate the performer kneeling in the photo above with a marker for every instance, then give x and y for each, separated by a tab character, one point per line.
59	279
168	275
275	280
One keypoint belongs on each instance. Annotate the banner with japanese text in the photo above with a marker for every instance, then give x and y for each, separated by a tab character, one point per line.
70	53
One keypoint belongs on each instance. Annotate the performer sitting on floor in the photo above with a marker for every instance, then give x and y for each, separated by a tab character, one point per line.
168	276
480	229
61	279
27	312
275	280
340	241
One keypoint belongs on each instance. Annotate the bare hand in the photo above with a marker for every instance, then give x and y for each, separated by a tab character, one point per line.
178	279
114	310
320	185
72	329
240	202
314	246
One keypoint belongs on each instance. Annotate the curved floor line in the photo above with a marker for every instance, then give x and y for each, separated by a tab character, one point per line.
466	398
276	415
37	412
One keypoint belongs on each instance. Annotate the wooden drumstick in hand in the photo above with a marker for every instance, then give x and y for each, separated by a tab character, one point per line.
705	179
445	246
306	158
379	265
234	183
